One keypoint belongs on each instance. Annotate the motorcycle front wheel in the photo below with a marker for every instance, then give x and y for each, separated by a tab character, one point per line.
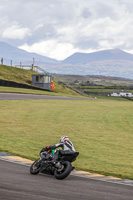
35	167
64	171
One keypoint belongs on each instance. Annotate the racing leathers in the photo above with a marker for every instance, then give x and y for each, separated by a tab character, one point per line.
67	147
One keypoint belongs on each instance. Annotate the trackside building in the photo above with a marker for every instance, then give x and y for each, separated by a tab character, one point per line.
43	81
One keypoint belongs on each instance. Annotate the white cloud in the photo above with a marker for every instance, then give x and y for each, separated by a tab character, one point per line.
51	48
16	32
59	28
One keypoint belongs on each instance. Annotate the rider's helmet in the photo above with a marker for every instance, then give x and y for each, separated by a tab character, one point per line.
64	138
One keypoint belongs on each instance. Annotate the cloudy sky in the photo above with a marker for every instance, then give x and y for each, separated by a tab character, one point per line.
59	28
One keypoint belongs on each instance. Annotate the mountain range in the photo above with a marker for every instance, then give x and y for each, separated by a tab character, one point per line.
111	62
112	54
9	52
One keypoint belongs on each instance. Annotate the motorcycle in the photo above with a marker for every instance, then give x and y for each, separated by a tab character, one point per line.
60	169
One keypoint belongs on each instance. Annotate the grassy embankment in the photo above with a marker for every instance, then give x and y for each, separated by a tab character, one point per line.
100	130
25	77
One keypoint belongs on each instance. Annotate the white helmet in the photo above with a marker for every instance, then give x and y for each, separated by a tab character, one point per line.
64	138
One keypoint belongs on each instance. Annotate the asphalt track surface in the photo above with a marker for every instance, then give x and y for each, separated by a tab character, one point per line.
16	183
16	96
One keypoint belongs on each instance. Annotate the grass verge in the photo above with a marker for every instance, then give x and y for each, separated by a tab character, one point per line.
70	93
100	130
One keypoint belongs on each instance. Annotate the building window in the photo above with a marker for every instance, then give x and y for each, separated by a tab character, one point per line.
46	79
41	79
37	78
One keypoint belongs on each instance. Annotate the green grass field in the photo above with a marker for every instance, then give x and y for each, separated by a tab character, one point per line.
102	131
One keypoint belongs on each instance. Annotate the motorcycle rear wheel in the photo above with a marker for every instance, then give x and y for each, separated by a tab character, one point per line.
67	168
35	167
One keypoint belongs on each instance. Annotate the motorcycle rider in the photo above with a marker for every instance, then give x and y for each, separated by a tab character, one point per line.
65	144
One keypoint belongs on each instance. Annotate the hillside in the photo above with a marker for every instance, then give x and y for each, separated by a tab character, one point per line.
95	80
113	63
25	77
